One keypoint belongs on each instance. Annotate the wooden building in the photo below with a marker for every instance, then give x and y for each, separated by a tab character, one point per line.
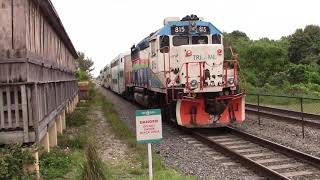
37	66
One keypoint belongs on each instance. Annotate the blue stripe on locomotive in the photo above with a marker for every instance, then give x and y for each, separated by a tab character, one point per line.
144	77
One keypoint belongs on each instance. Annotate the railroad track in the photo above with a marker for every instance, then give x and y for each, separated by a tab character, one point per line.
266	158
311	120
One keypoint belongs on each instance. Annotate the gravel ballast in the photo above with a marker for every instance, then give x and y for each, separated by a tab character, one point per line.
284	133
178	152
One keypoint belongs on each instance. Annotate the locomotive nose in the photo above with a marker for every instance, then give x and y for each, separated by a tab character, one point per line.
202	66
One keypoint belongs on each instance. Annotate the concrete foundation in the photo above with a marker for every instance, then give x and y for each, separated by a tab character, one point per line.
50	138
45	143
59	124
53	136
63	120
34	168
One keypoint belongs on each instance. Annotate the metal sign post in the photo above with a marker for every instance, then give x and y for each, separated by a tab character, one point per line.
150	161
149	130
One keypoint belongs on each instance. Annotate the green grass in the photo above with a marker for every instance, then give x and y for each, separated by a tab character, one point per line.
93	167
76	156
294	104
55	164
77	118
125	170
77	161
67	160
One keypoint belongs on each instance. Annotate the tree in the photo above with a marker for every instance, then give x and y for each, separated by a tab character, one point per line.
84	63
305	43
239	34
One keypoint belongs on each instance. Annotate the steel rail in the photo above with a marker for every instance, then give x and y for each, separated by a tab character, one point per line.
315	161
247	162
285	115
285	111
259	168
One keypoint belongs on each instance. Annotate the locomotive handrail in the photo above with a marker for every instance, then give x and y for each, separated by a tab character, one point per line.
201	63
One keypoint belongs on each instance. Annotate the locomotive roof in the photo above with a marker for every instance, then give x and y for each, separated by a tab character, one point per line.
166	30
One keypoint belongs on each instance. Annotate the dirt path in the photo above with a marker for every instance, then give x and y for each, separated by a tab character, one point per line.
111	150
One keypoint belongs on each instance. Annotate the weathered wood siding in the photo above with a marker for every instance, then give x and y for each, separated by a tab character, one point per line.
37	65
27	36
30	108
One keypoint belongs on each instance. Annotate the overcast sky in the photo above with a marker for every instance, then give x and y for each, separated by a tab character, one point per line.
104	28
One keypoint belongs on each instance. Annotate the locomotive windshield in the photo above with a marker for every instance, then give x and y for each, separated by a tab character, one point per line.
180	40
184	40
216	39
199	39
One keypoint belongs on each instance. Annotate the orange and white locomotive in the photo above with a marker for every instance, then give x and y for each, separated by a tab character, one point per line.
181	68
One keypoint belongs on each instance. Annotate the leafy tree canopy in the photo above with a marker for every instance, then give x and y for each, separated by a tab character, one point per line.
84	63
288	65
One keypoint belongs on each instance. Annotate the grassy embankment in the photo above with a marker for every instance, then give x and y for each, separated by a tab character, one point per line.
139	151
290	103
76	157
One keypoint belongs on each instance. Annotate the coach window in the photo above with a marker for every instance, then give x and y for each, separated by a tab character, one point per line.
164	44
199	39
216	39
180	40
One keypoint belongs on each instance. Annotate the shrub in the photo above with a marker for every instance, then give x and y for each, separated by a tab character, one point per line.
12	160
77	118
76	141
54	164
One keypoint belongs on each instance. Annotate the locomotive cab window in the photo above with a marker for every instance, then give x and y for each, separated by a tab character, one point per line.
180	40
153	48
164	44
199	39
216	39
135	53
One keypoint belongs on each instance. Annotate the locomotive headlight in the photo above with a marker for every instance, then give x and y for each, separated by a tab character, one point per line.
189	53
230	81
194	84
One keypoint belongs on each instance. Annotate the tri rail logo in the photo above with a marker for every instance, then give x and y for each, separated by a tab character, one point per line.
204	58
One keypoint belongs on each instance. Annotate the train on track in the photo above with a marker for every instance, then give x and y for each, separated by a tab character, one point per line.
181	68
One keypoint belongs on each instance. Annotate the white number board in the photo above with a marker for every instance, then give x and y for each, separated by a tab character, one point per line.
148	126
